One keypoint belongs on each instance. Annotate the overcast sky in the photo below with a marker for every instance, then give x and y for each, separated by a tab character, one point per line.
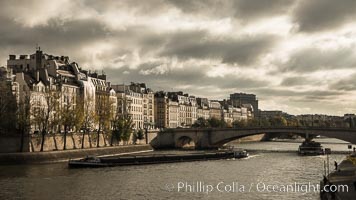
295	55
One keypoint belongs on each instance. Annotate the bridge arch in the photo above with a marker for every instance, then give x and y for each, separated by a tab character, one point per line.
227	140
185	142
218	140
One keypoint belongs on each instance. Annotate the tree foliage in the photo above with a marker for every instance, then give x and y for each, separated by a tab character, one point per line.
253	122
122	128
44	108
70	117
140	135
7	107
89	117
239	123
23	117
127	127
212	123
201	123
104	115
278	121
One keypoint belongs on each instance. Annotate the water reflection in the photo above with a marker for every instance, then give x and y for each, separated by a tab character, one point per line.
56	181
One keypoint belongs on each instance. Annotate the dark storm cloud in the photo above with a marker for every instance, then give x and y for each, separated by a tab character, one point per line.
294	93
55	32
66	37
244	50
151	7
189	6
347	84
313	59
253	9
191	76
297	81
208	8
133	40
244	10
321	15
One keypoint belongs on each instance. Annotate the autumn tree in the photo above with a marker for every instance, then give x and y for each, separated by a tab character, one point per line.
7	107
278	121
127	127
293	122
140	135
216	123
264	122
253	122
45	105
89	117
117	127
201	123
23	117
239	123
71	116
104	116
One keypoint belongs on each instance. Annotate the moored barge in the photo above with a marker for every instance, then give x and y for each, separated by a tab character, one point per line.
310	148
153	159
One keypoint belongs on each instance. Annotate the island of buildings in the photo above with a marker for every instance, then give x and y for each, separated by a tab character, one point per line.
42	93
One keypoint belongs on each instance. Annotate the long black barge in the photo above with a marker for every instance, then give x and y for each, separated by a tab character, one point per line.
152	159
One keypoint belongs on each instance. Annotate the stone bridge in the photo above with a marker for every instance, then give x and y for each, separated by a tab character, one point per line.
209	138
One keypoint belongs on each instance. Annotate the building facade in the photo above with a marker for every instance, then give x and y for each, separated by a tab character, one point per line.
238	99
41	77
137	101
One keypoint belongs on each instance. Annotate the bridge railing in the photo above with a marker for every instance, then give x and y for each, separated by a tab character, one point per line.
260	128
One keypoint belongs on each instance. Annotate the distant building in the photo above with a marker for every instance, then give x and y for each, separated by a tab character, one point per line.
238	99
39	73
215	110
166	111
137	101
321	120
203	108
267	114
187	108
236	113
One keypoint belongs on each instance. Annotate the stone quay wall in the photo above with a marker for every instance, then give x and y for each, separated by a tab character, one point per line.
64	156
11	143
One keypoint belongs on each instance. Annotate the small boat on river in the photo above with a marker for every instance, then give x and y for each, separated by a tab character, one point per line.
310	148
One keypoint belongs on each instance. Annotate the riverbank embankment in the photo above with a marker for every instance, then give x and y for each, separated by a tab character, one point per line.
64	156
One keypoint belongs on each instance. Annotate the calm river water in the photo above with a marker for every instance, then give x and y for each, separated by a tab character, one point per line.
250	178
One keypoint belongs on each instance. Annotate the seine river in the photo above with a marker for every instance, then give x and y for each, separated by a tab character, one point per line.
261	176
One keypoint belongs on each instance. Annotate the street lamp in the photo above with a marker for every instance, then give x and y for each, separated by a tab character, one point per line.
145	126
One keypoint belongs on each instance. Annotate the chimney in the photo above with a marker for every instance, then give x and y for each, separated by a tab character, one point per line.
22	57
12	57
103	77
